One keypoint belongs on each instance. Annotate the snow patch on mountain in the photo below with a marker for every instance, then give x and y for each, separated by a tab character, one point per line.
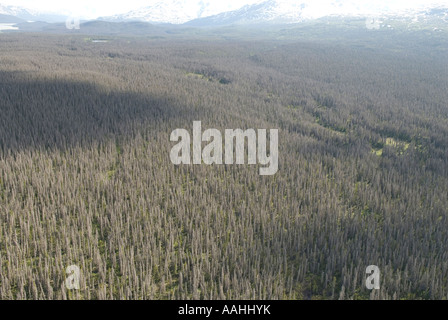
214	12
174	11
286	11
16	11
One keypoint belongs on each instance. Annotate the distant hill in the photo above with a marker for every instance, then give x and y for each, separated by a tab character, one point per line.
111	28
94	27
5	18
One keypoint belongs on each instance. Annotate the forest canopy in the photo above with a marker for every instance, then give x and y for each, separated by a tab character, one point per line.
86	177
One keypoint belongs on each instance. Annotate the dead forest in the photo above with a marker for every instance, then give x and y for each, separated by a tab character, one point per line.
86	178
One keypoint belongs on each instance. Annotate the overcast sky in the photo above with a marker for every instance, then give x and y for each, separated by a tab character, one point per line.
96	8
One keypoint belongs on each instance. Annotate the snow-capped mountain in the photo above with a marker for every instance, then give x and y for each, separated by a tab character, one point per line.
162	12
211	12
30	15
287	11
175	11
16	11
274	11
219	13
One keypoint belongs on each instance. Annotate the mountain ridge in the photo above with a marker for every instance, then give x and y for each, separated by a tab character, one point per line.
270	11
203	14
30	14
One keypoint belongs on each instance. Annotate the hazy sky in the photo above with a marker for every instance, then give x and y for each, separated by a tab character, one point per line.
95	8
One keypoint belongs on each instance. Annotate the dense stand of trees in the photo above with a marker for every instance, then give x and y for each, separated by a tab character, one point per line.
85	175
